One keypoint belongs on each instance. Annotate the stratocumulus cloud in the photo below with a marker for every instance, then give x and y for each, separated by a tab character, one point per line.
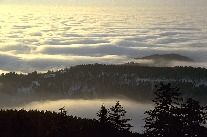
41	39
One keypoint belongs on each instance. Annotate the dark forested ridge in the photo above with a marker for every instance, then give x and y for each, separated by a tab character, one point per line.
102	81
35	123
172	116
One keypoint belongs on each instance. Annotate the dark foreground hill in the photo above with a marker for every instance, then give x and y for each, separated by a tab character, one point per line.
172	116
23	123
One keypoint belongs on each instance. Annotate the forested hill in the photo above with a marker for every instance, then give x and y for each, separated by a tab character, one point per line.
103	81
33	123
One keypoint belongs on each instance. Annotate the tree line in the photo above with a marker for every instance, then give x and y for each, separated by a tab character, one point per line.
172	116
104	81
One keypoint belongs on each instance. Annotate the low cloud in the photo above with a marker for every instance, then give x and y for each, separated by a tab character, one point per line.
36	34
63	41
9	62
100	50
56	39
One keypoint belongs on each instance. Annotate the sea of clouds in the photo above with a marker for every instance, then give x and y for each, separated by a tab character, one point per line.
52	38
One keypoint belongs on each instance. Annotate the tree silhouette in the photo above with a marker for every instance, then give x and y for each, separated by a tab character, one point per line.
171	117
103	115
163	119
193	118
117	117
34	123
63	112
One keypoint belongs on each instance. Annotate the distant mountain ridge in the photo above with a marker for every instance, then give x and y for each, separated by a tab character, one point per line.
94	81
168	57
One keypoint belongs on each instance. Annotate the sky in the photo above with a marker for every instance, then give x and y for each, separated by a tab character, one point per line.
111	2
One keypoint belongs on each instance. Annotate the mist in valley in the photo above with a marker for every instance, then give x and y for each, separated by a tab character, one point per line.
84	108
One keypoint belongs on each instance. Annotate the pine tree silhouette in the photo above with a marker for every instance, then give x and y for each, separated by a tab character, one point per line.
162	121
103	115
117	117
193	118
171	117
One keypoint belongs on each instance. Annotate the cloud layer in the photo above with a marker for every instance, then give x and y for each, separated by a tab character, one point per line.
47	38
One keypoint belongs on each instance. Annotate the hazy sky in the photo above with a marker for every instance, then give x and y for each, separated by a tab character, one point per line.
111	2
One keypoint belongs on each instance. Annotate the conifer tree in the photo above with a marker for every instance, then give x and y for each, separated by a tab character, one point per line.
103	115
193	118
163	120
117	117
